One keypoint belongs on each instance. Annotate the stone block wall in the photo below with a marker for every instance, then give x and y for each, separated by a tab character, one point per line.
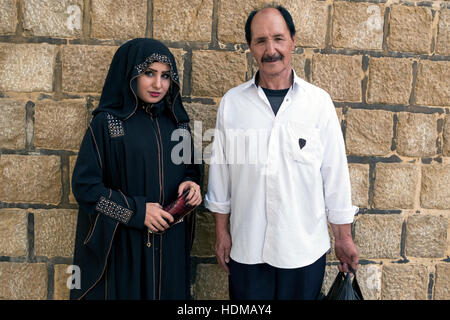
386	65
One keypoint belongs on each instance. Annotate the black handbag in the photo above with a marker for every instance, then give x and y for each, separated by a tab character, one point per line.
343	288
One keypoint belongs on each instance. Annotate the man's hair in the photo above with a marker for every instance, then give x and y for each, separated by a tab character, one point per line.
286	15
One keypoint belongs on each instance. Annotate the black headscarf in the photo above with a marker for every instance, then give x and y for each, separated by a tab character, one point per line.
119	95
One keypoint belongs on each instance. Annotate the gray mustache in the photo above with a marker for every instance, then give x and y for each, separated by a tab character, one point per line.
271	58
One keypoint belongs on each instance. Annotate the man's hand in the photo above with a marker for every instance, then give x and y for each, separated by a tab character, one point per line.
223	241
344	247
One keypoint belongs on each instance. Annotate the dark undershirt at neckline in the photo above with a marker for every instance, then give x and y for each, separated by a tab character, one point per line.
275	98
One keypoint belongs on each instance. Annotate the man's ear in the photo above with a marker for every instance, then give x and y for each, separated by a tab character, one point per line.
293	42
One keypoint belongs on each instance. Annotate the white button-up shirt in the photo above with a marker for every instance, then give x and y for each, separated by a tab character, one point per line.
279	177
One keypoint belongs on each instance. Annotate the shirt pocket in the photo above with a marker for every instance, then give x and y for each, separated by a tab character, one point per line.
303	143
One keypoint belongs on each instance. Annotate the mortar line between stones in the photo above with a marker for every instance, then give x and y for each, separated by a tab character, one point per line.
149	25
29	126
434	30
30	237
50	281
215	26
87	20
386	30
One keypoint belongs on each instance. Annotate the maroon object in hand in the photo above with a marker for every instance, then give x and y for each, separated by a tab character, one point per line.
179	208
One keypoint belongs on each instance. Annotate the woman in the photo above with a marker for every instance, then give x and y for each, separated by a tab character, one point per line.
124	176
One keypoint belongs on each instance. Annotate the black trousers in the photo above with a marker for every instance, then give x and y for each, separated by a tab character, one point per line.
264	282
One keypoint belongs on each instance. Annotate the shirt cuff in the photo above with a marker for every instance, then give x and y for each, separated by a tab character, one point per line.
342	216
219	207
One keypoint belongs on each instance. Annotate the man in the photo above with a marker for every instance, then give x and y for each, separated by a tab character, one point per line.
277	209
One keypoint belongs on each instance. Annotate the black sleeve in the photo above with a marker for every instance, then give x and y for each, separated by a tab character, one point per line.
88	181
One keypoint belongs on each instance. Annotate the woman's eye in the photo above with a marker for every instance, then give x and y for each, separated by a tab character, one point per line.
148	73
166	76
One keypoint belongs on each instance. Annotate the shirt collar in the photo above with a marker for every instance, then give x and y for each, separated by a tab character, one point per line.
252	82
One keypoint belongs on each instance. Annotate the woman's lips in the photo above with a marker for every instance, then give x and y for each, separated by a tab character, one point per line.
155	94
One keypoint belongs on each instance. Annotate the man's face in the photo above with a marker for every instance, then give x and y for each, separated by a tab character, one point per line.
271	44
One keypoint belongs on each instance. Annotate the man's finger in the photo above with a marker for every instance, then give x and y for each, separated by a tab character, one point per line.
223	263
227	255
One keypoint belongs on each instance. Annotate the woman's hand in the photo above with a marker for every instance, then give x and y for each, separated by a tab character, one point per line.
156	218
195	196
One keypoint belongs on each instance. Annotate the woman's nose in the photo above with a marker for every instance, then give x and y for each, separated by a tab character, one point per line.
157	82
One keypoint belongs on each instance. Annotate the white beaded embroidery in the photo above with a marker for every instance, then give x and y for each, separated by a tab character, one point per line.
113	210
159	58
115	126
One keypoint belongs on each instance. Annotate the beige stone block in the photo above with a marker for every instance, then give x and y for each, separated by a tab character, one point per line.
369	280
12	124
442	282
13	232
215	72
118	19
310	20
410	29
54	232
59	124
359	178
62	292
368	277
23	281
395	185
232	17
432	87
339	114
331	254
202	123
182	20
416	134
369	132
339	75
435	192
8	12
426	236
30	179
63	18
205	235
27	67
204	114
179	60
72	161
443	36
404	282
390	81
378	236
211	283
446	136
358	25
84	67
298	64
329	276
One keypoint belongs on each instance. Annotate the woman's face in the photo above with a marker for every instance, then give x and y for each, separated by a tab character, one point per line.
153	84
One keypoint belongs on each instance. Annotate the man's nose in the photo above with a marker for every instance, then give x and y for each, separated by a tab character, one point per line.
270	48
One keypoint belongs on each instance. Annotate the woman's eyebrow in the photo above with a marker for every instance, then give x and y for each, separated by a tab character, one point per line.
153	70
